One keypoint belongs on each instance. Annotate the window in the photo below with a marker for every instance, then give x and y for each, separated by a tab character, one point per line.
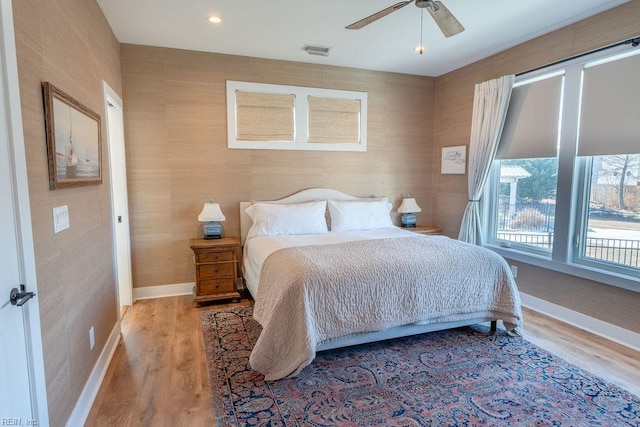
334	120
612	227
564	191
528	166
263	116
609	141
526	203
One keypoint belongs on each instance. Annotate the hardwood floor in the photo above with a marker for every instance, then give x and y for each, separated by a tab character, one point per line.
613	362
158	375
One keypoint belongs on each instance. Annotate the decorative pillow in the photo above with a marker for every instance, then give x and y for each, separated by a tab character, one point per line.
355	215
272	219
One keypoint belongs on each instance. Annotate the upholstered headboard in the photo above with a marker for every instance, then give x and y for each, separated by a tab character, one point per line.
299	197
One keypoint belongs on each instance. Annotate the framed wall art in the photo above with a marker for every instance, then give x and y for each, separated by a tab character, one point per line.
74	142
454	160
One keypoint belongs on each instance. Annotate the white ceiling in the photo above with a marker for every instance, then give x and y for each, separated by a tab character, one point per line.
278	29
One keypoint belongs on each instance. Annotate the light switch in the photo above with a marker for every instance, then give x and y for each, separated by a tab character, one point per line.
60	218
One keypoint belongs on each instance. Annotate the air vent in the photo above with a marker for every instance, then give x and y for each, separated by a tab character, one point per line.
317	50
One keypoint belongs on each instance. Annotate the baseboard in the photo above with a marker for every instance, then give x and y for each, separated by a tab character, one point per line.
595	326
163	291
90	391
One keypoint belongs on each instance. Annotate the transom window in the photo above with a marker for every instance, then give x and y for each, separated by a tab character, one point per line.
264	116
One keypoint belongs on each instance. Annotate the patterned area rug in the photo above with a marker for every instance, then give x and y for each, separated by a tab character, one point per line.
458	377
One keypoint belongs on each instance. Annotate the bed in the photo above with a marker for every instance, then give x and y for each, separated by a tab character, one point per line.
328	270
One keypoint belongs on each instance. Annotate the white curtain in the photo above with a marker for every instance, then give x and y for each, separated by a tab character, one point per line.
490	104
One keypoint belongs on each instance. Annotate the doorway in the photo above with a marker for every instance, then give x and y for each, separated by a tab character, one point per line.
15	397
23	395
119	203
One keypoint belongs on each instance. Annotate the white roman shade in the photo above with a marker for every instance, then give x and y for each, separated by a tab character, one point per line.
265	116
531	127
610	109
334	120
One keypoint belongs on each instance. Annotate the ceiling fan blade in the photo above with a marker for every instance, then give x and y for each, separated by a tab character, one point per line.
448	24
372	18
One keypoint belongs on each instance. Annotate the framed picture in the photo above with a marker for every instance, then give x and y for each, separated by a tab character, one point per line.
454	160
73	140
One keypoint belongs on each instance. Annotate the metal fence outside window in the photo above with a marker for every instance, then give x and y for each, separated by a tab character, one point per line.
539	240
619	251
531	223
526	216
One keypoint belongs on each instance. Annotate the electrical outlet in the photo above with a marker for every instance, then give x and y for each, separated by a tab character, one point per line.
60	218
514	271
92	339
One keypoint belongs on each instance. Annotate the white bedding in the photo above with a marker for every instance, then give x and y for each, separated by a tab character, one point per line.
316	288
257	249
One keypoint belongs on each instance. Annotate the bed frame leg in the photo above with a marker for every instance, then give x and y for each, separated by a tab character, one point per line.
494	326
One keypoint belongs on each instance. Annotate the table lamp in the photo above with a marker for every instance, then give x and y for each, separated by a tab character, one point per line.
211	214
407	209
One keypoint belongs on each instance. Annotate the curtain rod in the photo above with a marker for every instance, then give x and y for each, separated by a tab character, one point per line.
633	42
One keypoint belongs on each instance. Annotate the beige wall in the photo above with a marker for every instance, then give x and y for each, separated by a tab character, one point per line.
454	101
177	158
177	155
68	43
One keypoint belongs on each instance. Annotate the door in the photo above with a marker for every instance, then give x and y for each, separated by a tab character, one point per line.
15	396
119	204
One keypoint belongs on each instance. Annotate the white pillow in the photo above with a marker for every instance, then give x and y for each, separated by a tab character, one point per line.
272	219
359	215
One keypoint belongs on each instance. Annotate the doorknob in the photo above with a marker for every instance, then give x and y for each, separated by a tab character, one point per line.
20	297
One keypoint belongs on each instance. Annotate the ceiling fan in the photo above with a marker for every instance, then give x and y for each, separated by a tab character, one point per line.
448	24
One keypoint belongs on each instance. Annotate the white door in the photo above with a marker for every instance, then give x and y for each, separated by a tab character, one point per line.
119	204
15	396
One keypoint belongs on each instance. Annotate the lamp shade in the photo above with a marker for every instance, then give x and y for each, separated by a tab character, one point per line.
211	212
409	205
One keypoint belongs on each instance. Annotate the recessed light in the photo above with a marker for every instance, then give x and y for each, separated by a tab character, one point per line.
214	19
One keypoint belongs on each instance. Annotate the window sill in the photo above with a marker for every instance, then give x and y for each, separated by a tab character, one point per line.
582	271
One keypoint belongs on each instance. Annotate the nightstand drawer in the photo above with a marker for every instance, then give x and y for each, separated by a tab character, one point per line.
215	256
216	286
223	269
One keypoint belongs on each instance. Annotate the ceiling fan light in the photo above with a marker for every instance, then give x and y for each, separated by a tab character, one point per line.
448	23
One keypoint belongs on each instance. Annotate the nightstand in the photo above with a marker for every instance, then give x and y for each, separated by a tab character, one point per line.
216	263
424	229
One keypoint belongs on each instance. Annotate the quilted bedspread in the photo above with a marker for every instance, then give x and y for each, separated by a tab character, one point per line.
312	294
